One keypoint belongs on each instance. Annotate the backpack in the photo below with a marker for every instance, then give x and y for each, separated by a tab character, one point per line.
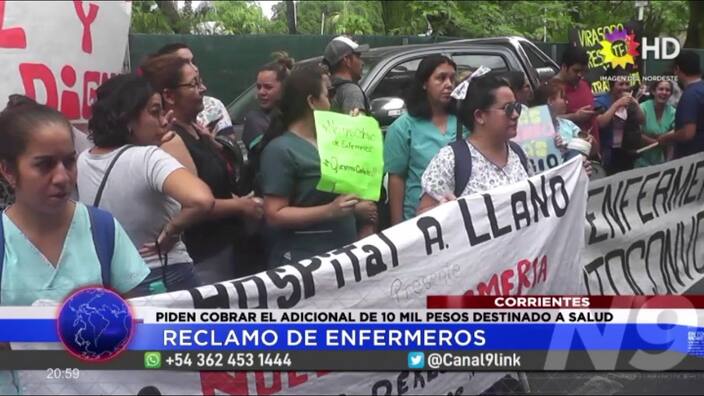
102	227
463	162
240	167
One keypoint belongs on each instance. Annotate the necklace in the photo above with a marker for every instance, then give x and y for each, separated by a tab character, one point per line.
489	160
496	166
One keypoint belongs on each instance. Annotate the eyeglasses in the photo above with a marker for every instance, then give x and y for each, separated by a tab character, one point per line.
197	82
510	107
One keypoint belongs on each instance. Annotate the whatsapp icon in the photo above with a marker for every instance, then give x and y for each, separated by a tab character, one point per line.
152	360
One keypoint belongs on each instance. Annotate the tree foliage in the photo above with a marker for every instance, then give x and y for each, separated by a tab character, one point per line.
238	17
147	18
695	30
335	17
537	20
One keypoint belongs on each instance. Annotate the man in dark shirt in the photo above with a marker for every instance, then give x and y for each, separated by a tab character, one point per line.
688	136
344	59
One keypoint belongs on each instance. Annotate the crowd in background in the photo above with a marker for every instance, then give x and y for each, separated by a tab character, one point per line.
153	202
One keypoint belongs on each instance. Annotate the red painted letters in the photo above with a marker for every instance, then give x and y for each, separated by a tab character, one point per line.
70	101
525	275
228	383
263	388
86	21
37	71
10	37
76	95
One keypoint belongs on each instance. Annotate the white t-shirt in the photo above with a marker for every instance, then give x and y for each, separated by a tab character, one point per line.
134	194
80	141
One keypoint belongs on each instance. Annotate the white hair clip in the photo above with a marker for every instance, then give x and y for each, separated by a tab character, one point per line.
460	92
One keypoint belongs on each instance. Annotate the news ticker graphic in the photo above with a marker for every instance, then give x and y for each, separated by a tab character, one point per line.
533	333
347	361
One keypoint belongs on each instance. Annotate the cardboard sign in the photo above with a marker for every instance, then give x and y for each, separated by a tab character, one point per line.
536	135
351	154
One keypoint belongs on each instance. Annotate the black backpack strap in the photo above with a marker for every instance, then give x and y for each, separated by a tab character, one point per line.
463	165
99	194
521	154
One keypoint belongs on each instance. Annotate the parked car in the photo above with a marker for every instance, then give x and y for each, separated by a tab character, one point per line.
387	71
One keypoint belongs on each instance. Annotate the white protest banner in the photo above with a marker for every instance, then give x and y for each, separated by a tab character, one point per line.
519	239
536	133
644	231
59	52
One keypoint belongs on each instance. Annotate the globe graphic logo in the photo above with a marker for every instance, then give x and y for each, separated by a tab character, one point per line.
95	324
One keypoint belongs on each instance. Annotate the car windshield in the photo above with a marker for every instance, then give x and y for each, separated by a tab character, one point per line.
247	101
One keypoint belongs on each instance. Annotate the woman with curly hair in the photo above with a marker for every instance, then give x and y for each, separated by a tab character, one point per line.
149	191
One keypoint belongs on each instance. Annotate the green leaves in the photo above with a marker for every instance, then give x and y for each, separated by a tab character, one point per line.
536	20
238	17
147	18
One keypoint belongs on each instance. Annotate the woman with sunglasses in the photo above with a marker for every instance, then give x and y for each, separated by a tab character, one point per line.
491	112
146	189
210	243
415	137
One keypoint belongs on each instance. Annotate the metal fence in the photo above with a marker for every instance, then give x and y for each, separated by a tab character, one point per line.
229	63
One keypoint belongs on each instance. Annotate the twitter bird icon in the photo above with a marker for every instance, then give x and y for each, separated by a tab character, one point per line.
416	360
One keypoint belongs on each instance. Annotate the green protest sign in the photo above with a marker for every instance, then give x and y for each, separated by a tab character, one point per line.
351	154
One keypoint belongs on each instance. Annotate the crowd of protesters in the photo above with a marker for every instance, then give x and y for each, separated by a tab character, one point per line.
155	181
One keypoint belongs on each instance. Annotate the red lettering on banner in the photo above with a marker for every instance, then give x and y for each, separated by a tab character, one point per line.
10	37
91	82
492	289
294	379
228	383
501	284
506	284
237	383
70	101
523	281
37	71
542	272
86	21
262	387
